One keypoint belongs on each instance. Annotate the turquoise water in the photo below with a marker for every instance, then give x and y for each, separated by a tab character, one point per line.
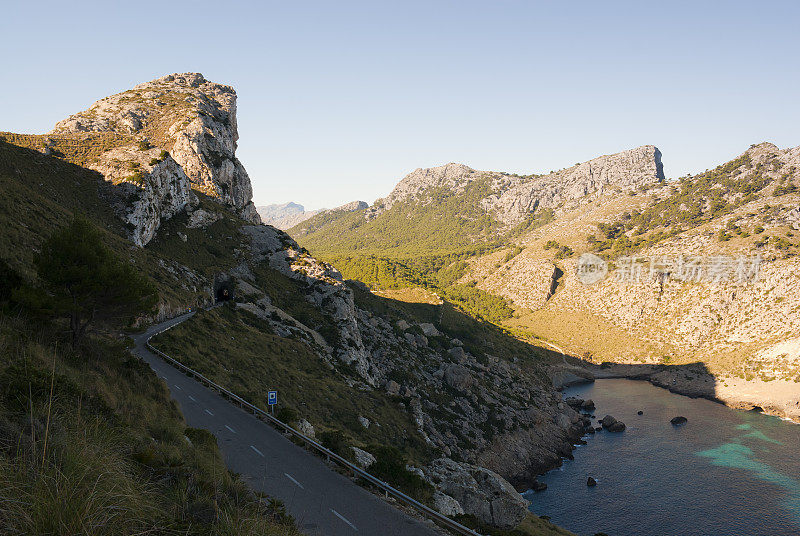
724	473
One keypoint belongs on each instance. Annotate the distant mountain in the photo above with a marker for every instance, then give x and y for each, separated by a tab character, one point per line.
285	215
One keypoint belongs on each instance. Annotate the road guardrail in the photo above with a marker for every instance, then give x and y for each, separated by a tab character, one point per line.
389	490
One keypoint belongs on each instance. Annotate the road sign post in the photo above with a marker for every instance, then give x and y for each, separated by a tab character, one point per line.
272	399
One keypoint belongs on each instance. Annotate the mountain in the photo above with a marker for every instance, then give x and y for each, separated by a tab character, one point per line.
158	143
454	207
451	407
285	215
506	248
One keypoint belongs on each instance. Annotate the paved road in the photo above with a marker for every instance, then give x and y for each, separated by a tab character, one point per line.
322	501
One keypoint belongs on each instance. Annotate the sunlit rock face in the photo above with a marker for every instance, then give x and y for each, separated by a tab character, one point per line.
194	122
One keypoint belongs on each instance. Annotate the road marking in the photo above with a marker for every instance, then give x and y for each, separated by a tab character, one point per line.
178	387
231	429
299	485
209	413
258	451
193	399
340	516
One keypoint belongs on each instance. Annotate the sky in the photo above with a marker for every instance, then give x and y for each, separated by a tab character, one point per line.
339	100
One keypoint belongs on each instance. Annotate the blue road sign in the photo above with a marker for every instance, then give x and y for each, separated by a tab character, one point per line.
272	397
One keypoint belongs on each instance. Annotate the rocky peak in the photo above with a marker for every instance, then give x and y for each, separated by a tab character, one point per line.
567	188
187	116
449	175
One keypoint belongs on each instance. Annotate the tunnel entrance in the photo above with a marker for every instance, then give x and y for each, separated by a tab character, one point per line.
223	291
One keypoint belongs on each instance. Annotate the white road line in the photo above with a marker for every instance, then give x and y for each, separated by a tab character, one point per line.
299	485
209	413
178	387
258	451
193	399
340	516
231	429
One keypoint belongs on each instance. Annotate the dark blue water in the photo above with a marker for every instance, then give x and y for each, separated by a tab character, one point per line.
724	473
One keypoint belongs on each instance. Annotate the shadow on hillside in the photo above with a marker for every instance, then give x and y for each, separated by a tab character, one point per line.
60	182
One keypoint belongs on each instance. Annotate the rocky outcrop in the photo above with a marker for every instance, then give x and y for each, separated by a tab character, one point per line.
451	176
564	189
194	122
153	187
477	491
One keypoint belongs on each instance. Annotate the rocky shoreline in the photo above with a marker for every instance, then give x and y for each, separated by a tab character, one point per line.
779	398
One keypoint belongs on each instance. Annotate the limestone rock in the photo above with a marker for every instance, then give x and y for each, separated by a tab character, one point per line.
305	428
479	492
151	188
363	458
446	505
458	377
194	120
429	330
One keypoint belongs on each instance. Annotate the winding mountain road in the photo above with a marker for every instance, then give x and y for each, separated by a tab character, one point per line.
322	501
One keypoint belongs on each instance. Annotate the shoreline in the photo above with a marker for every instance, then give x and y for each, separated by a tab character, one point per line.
778	398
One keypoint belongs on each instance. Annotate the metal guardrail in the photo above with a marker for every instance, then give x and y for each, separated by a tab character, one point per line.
389	490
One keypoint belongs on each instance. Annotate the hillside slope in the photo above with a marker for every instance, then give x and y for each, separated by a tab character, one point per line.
446	390
519	239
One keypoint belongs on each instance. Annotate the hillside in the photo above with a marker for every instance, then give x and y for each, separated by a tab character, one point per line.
518	239
438	388
454	207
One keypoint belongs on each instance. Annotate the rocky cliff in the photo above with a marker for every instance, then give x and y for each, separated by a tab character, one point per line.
171	135
514	197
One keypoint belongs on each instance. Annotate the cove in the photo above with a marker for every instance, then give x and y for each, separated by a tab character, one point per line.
724	473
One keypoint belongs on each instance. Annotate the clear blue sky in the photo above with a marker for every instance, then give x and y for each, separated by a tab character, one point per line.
339	100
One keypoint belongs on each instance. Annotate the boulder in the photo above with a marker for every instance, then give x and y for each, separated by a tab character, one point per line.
458	377
458	354
363	421
538	486
574	403
429	329
392	387
611	424
640	412
677	421
363	458
305	428
588	405
479	491
591	482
